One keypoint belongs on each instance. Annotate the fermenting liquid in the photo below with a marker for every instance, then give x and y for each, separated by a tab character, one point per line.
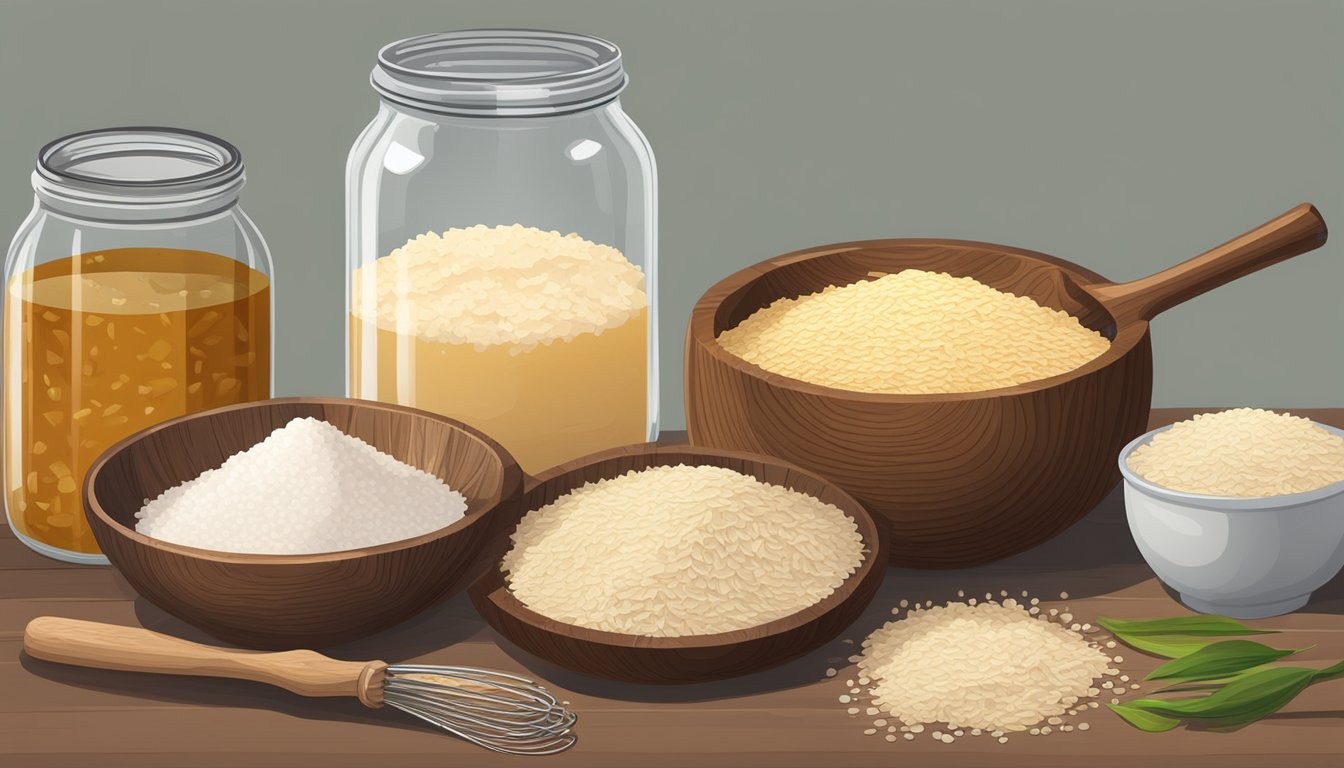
538	339
104	344
547	405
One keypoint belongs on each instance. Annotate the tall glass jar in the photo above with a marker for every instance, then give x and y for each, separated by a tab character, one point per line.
501	242
135	291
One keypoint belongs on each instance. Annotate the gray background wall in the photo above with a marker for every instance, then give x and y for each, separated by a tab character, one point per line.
1124	136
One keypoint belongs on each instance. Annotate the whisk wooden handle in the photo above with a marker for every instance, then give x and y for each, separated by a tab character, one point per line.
131	649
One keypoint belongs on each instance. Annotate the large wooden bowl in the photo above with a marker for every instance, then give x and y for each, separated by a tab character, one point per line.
302	601
684	659
968	478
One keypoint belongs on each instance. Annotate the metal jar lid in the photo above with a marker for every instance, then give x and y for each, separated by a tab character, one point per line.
139	173
500	72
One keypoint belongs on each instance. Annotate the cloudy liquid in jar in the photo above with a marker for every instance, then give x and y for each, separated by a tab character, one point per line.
546	405
538	339
104	344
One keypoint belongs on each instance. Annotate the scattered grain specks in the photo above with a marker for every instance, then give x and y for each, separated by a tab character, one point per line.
1052	720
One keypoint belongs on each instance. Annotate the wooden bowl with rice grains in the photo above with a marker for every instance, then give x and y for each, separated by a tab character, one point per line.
644	582
982	469
281	601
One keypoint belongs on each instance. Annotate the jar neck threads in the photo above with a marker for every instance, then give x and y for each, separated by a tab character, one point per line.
500	72
138	174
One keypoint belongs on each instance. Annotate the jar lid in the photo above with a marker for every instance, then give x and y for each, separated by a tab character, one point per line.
139	173
500	72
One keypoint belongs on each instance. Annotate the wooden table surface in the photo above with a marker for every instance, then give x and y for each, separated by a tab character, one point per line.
52	715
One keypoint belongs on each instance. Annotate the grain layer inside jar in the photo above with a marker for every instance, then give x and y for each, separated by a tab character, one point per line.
109	343
681	550
913	332
539	340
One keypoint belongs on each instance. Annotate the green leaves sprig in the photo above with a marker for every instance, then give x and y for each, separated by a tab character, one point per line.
1240	688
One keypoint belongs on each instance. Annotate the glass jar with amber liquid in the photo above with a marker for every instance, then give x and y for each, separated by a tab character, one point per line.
136	290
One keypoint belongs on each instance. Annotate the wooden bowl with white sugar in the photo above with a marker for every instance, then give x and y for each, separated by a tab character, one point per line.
272	601
963	477
686	658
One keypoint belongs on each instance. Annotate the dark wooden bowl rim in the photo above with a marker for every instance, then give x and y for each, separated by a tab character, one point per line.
505	600
1128	333
512	475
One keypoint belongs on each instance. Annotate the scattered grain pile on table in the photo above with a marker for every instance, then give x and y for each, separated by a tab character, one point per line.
991	668
680	550
1247	452
307	488
913	332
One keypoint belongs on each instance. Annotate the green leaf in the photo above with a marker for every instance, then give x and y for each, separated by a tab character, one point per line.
1167	646
1246	699
1206	685
1332	672
1219	660
1192	626
1143	720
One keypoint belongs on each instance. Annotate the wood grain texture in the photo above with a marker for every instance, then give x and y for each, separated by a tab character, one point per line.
966	478
301	601
684	659
1296	231
54	716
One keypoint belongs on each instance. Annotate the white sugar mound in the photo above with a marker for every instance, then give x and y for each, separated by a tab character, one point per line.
306	488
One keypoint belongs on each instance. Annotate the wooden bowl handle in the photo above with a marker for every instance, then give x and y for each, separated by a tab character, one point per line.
131	649
1300	230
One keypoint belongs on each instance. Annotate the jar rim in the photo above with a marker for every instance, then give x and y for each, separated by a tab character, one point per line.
500	72
142	170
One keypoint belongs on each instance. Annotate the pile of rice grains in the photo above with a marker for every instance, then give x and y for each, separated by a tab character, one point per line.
671	551
991	668
491	286
1243	452
922	333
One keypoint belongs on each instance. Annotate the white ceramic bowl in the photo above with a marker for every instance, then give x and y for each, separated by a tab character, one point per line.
1243	557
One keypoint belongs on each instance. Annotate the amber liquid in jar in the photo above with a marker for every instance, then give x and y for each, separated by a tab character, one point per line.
107	343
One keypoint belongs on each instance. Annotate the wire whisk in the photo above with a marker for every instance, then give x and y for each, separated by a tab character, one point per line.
495	710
